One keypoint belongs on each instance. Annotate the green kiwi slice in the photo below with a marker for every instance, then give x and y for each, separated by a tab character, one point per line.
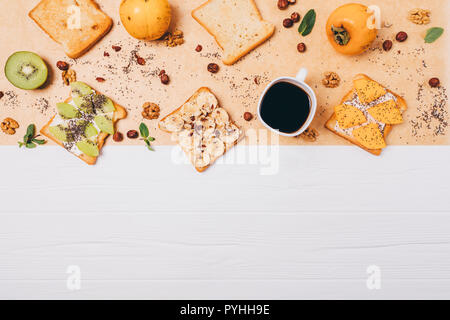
59	132
103	104
26	70
88	147
105	124
80	89
67	111
90	131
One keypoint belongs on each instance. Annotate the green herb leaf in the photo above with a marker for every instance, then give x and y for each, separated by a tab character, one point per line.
308	22
151	139
38	141
30	132
20	144
30	145
433	34
143	130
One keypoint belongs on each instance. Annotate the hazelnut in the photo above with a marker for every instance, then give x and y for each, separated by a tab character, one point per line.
199	48
248	116
295	17
387	45
401	36
301	47
116	48
164	78
132	134
162	72
287	23
140	61
117	137
63	66
213	67
100	79
283	4
434	82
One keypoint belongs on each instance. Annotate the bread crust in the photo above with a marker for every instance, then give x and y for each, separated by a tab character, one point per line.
245	51
82	47
120	113
331	123
202	89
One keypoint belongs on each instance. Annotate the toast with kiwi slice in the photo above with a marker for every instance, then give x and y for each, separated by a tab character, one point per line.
380	107
83	122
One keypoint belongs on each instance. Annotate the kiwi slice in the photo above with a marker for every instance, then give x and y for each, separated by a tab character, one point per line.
88	147
90	131
103	104
67	111
105	124
26	70
80	89
85	104
59	132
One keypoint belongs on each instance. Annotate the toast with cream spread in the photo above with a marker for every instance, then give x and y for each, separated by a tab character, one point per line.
83	122
367	114
236	25
75	24
202	129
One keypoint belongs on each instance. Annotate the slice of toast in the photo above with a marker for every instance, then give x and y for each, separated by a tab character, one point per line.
332	122
56	17
236	25
200	116
120	113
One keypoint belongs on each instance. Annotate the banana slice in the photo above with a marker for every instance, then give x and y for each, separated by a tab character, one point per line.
215	147
186	139
229	133
207	102
220	116
204	123
173	123
190	112
201	159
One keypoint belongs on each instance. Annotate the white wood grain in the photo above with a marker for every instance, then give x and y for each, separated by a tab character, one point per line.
142	226
241	255
338	179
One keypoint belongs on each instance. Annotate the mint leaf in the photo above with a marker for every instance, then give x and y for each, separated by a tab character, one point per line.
38	141
143	129
433	34
30	145
307	23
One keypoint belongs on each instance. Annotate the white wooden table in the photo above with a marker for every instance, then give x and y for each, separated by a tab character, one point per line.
142	225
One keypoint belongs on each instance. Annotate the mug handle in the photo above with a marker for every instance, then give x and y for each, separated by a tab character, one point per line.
301	74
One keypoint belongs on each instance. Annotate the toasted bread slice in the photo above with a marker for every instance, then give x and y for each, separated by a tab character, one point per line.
55	18
236	25
332	122
120	113
188	117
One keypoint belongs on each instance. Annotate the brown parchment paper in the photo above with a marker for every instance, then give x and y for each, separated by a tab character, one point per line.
406	69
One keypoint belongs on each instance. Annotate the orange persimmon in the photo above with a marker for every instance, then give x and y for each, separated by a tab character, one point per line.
348	29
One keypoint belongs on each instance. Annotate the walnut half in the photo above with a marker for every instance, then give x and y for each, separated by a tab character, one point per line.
331	79
9	126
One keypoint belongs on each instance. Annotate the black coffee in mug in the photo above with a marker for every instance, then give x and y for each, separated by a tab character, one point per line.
285	107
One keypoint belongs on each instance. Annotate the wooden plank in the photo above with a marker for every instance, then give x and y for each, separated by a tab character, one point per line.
295	179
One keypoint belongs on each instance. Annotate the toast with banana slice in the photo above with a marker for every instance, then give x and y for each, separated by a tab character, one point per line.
75	24
367	114
236	25
83	122
203	129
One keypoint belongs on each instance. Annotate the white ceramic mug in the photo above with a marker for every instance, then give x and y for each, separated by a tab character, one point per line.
298	81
